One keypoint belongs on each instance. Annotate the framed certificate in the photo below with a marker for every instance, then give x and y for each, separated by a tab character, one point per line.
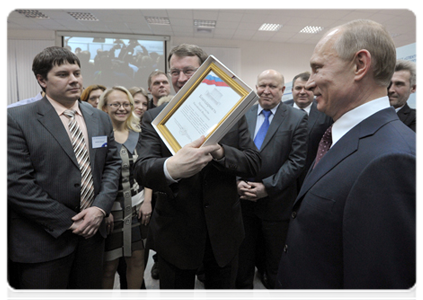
209	104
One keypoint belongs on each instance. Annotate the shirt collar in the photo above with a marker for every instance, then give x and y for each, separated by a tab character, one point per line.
307	109
59	108
273	110
353	117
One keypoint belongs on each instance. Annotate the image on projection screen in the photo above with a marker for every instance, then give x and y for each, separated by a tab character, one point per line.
114	61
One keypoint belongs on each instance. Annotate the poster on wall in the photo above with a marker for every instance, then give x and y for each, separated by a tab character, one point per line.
408	52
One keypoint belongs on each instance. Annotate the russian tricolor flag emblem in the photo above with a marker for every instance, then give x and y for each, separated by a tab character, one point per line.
213	80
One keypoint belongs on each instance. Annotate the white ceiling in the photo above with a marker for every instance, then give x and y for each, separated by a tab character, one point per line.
234	24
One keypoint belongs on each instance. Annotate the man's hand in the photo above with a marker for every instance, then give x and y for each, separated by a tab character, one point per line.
191	159
87	222
251	191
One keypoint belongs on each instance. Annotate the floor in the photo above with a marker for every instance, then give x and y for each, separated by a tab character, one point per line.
153	292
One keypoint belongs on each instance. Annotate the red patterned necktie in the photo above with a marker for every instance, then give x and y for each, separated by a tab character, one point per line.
324	145
81	152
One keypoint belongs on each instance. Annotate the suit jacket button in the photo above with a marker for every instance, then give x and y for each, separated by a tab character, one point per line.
285	249
294	214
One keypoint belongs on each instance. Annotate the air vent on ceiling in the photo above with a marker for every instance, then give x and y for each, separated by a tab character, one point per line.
158	20
32	14
81	16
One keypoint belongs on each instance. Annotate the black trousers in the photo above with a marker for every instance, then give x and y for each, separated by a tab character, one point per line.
262	238
82	269
216	277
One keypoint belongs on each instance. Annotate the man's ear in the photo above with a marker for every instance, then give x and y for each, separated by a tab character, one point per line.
363	62
41	81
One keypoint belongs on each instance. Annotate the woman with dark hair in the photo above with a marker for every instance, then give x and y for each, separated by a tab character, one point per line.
92	94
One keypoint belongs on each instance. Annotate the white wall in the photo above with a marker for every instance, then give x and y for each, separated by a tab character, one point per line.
255	57
289	59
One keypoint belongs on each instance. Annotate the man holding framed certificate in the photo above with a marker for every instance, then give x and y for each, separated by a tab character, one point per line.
197	218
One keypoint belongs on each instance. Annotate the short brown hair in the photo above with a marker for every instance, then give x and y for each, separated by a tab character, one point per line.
183	50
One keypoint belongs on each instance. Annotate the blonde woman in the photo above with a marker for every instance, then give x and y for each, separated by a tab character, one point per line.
131	210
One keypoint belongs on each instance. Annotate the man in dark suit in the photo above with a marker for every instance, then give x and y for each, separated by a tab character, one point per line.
267	198
54	239
317	124
353	223
403	84
197	217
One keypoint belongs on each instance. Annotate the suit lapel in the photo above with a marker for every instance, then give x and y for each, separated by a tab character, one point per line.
251	117
347	145
278	119
48	117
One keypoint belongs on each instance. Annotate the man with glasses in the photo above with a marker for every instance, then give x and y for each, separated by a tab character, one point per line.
197	218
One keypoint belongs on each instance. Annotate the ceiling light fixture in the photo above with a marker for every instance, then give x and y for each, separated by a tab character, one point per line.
270	27
32	14
205	23
81	16
311	29
158	20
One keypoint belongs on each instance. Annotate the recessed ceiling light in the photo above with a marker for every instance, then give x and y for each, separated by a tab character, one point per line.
80	16
158	20
32	14
311	29
270	27
205	23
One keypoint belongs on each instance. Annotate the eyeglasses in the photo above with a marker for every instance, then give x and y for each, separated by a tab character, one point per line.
118	105
186	71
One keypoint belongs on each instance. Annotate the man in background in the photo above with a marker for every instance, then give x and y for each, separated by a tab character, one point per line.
197	217
158	86
317	123
353	224
63	174
403	84
280	133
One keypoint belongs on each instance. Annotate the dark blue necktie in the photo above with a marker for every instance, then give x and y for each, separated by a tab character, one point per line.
263	129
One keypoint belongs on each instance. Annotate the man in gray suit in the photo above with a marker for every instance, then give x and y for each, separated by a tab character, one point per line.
55	240
266	199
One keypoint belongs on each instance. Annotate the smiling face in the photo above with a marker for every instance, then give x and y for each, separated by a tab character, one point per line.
63	83
140	104
331	79
302	96
118	107
270	89
186	63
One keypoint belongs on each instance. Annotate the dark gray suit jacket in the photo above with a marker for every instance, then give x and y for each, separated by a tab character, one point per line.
408	116
353	224
44	179
283	155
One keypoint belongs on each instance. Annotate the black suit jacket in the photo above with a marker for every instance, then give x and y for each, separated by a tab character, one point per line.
283	155
44	179
408	116
354	221
318	122
205	204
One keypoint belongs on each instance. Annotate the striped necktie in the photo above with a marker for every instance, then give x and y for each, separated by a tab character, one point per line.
83	158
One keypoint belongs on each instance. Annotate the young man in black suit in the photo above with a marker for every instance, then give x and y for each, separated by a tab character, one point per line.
56	231
197	217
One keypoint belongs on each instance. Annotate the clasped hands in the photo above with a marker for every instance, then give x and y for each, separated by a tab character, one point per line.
251	191
87	222
191	159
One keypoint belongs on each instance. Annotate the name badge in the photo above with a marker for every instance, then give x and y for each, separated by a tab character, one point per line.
99	141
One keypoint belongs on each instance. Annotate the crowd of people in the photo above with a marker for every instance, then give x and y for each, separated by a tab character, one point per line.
317	193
